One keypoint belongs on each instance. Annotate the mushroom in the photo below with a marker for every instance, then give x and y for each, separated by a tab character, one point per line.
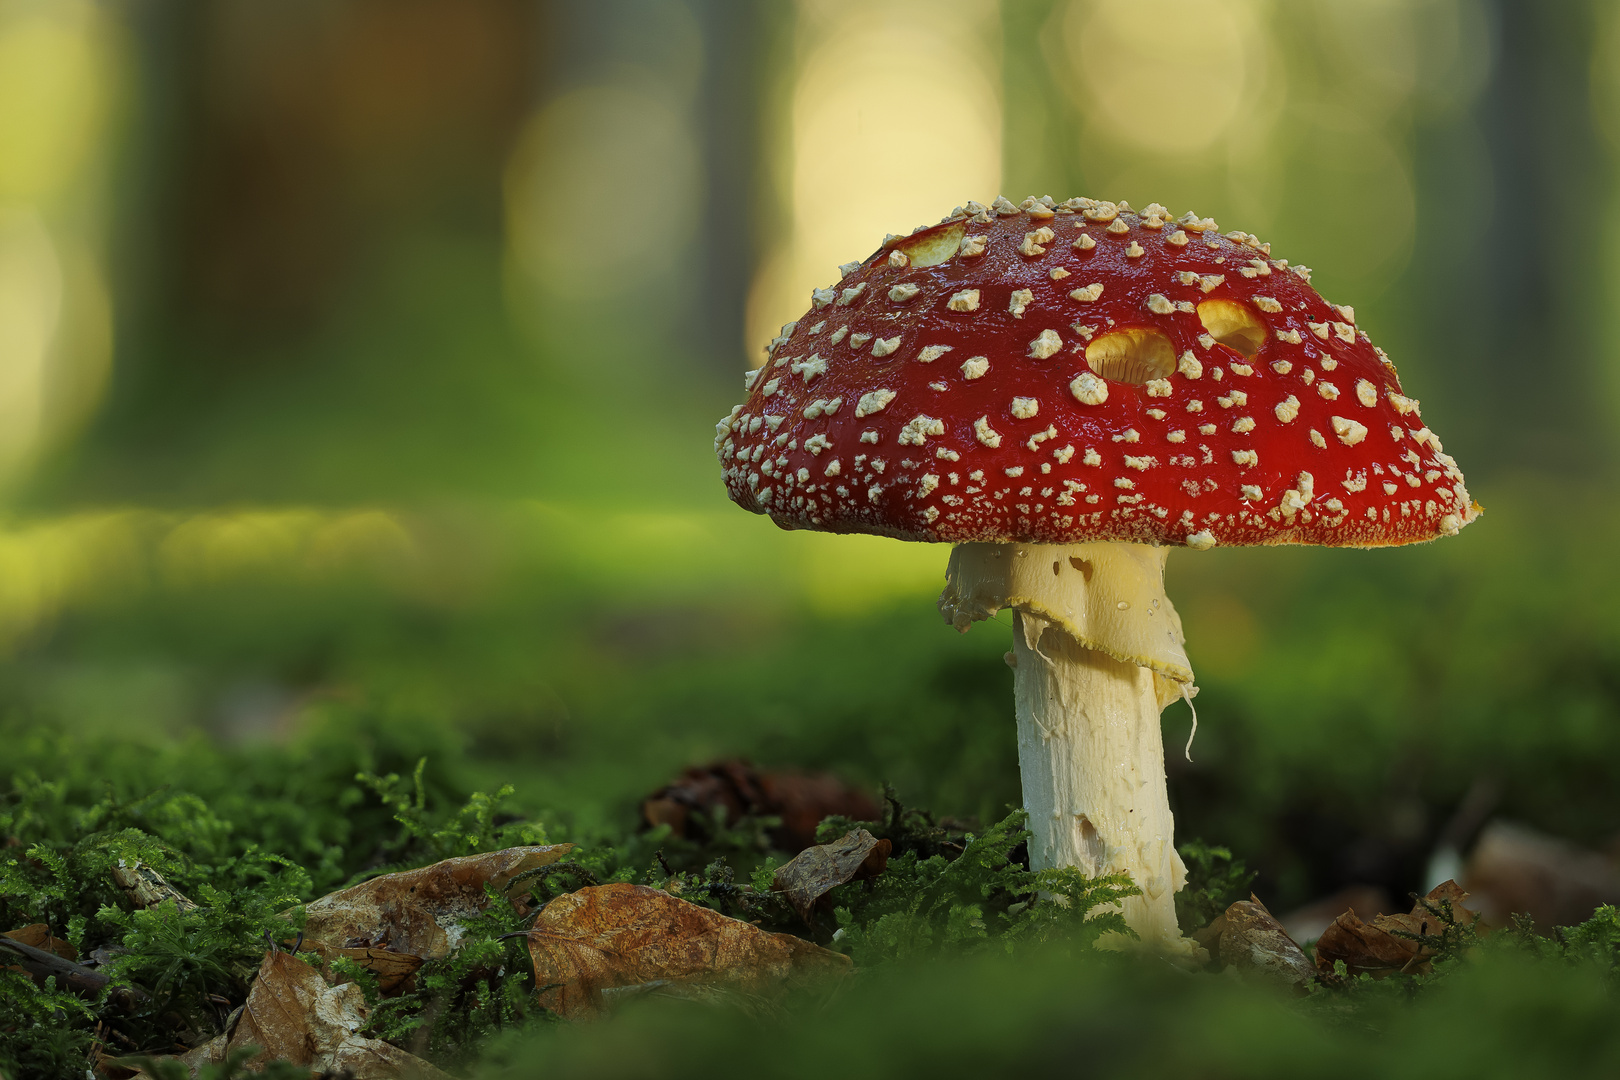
1065	391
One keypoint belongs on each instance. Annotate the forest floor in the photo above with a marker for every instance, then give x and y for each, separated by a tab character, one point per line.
195	911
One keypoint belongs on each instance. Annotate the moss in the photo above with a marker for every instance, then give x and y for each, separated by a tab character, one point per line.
957	909
1215	880
983	898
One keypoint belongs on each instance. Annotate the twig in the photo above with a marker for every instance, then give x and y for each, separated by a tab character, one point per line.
146	888
76	977
41	965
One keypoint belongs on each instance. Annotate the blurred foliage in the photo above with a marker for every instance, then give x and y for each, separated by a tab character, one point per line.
1507	1012
234	1067
1350	699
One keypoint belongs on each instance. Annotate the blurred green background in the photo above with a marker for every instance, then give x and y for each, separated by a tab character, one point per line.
362	357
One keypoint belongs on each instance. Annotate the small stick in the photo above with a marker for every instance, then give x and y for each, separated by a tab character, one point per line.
146	888
41	965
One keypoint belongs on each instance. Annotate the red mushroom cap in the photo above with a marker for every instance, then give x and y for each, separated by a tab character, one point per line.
1058	374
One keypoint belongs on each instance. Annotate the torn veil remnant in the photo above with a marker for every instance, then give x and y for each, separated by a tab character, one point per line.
1193	392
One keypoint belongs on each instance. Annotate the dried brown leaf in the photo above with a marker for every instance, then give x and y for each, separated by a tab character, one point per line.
292	1014
39	936
818	870
1307	922
610	936
1251	940
211	1052
393	969
803	800
1364	947
733	789
1447	892
1378	948
108	1067
1209	937
417	912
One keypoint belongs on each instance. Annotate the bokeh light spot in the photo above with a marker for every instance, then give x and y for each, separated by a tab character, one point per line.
1175	93
896	119
587	162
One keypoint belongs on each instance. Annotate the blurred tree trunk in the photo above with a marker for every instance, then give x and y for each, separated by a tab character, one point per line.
279	147
742	104
1037	115
1514	303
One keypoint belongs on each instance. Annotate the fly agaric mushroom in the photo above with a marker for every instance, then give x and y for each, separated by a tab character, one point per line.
1064	392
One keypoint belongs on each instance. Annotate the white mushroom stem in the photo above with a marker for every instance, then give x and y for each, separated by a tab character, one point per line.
1097	654
1092	764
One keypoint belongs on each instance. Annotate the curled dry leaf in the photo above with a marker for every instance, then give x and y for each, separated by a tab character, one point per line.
416	912
1380	947
1306	923
39	936
292	1013
1246	937
110	1067
1365	947
818	870
211	1052
393	969
610	936
734	789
